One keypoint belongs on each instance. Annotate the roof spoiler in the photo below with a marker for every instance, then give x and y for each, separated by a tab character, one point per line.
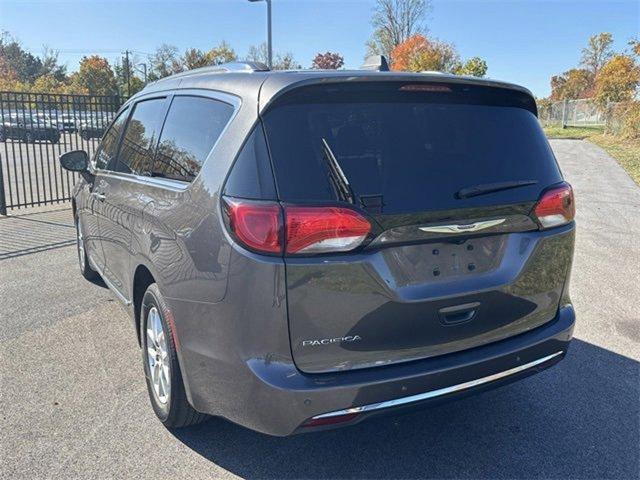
375	62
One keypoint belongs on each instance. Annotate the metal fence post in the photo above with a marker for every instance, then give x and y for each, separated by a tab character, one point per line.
3	200
564	113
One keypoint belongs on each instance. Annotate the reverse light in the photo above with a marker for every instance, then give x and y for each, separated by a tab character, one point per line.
556	207
324	229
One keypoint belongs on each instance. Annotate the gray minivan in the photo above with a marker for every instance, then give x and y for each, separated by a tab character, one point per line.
301	250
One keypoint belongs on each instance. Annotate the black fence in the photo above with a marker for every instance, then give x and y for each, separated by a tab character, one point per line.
35	128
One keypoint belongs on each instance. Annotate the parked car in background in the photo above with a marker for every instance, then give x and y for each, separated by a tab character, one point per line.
88	131
302	250
28	129
66	122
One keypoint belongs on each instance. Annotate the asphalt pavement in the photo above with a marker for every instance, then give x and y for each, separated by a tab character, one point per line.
74	403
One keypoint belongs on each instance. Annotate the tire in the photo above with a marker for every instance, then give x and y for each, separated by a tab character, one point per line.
83	260
160	360
54	140
2	136
85	135
29	138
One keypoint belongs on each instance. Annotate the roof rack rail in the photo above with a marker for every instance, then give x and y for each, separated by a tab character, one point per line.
229	67
243	66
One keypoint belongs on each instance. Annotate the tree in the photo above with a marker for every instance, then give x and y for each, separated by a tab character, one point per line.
635	46
597	52
617	80
50	65
258	53
418	54
223	53
194	58
475	66
406	50
328	61
164	62
394	21
8	76
95	76
26	66
129	83
285	61
281	61
572	84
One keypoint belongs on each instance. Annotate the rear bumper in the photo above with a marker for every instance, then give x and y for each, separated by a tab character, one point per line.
281	399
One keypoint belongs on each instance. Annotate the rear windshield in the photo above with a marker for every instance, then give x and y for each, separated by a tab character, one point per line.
407	151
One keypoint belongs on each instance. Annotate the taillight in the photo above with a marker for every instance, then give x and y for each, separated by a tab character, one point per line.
260	226
257	225
556	207
324	229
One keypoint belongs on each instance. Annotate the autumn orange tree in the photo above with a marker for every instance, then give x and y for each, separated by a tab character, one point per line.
617	80
419	53
96	76
572	84
405	52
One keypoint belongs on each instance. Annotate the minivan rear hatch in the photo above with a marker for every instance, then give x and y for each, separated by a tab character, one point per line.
448	175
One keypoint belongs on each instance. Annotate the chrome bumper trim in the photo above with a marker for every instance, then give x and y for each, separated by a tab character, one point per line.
439	392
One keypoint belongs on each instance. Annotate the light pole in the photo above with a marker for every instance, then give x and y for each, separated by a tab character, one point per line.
269	50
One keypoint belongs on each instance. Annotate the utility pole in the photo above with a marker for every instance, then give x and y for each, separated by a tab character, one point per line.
269	47
269	44
128	72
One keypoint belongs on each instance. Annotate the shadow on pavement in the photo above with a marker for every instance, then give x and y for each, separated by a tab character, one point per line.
26	233
580	419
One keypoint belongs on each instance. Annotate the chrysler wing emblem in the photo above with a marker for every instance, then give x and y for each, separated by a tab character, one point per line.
469	227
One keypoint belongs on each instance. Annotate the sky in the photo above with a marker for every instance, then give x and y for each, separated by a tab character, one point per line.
523	41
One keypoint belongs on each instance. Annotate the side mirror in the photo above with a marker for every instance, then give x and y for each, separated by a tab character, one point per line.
77	161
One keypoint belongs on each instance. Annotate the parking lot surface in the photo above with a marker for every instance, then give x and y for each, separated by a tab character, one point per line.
75	405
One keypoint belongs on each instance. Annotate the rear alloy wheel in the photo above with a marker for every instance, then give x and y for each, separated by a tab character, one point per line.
164	379
85	268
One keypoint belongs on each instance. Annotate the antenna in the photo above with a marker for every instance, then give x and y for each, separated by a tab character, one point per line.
375	62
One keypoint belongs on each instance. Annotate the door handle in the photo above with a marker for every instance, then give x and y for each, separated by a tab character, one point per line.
98	196
458	314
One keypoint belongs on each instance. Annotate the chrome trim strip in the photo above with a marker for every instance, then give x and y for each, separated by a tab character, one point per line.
440	392
169	184
463	228
111	286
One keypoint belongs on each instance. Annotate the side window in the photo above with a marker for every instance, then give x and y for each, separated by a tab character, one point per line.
192	127
140	137
109	145
251	175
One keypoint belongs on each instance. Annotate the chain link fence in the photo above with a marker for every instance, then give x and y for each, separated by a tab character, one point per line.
582	113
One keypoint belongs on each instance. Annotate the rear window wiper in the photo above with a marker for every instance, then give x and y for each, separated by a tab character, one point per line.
485	188
336	175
